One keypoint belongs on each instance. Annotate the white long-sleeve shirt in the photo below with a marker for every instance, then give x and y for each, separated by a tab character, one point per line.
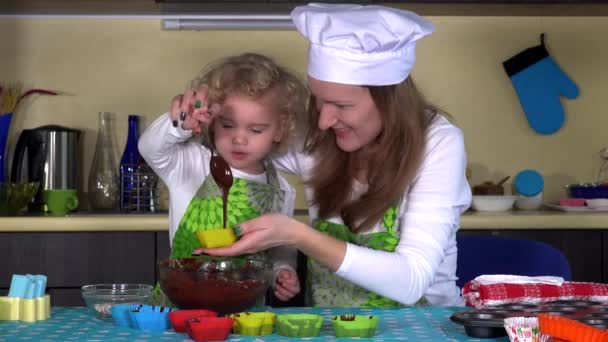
424	261
183	164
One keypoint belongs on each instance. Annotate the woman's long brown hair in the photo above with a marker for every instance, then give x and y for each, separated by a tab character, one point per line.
392	158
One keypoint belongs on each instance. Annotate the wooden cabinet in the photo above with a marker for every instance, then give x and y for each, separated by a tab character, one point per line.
163	250
71	260
585	249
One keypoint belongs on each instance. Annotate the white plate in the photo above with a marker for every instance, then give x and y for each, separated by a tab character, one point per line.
576	209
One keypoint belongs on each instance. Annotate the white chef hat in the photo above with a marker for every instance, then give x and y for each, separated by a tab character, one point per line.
361	45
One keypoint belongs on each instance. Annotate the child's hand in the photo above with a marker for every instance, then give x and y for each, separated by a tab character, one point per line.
287	285
192	110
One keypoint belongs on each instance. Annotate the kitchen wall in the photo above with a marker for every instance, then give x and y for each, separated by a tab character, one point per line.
132	66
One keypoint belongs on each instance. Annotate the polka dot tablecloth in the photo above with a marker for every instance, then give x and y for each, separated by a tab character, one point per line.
79	324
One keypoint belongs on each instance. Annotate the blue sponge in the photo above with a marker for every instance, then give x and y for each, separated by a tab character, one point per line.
19	285
27	286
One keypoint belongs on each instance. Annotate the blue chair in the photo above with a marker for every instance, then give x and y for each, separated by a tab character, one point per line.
479	255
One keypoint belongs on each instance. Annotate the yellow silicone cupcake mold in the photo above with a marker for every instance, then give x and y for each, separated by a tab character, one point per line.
253	323
220	237
25	309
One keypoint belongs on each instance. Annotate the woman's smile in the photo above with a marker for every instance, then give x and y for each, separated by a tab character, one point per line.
341	132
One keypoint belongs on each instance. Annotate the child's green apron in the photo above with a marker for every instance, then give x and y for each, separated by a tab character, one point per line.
327	289
246	200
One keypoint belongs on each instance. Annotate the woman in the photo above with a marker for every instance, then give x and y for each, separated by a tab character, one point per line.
384	171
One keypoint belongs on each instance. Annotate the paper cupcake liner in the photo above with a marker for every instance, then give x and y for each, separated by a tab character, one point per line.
524	329
209	328
146	317
570	330
178	318
299	325
253	323
354	325
216	237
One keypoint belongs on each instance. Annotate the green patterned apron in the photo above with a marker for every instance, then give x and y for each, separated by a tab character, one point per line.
325	288
246	200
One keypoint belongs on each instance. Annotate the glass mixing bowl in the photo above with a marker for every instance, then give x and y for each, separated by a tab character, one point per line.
101	297
221	284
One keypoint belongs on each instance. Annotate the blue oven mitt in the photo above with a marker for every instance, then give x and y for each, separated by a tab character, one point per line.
539	83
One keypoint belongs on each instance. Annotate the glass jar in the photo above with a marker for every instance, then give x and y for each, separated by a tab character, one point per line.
104	190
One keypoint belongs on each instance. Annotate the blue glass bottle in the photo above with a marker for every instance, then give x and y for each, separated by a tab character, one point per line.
129	164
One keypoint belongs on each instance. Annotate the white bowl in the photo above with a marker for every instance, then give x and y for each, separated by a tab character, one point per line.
493	202
529	203
597	203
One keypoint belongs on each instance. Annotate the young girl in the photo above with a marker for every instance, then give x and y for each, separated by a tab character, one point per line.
256	103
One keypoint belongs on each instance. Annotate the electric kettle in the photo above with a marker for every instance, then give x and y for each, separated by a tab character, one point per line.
53	159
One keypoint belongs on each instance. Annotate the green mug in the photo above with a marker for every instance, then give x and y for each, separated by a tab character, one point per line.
60	202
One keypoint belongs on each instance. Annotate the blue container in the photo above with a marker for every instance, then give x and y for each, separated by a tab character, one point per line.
529	183
5	125
588	191
129	164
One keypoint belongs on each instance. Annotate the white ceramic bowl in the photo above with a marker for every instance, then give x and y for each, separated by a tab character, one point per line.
493	202
529	203
597	203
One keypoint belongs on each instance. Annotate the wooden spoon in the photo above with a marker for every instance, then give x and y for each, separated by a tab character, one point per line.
502	181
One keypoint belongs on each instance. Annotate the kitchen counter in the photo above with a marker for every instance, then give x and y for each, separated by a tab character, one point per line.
83	222
525	220
87	249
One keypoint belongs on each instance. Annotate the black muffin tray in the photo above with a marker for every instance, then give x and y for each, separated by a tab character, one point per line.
489	321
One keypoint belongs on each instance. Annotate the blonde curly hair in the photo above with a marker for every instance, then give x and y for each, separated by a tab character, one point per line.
260	78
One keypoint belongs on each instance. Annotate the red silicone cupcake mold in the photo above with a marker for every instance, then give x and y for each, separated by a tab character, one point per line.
178	318
209	328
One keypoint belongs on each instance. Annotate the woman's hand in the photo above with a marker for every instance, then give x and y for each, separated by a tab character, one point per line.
287	285
272	230
192	110
258	234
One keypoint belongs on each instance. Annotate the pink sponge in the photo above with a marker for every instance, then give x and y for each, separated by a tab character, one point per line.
572	202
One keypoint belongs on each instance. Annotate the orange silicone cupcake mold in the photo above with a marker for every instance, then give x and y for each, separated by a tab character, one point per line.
565	329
